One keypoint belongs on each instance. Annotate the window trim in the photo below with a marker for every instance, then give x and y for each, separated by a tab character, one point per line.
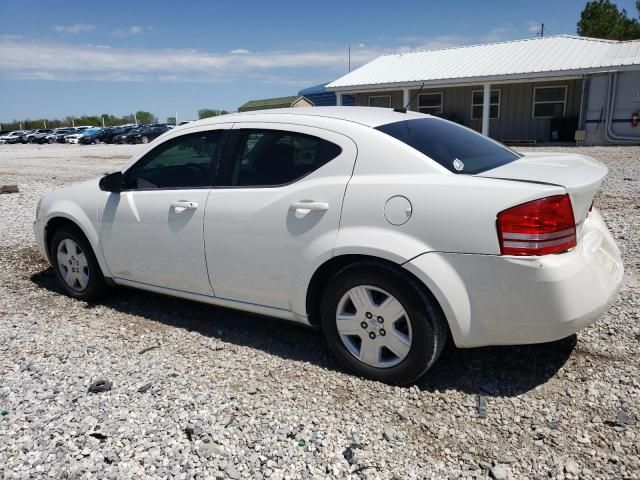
380	96
534	103
432	93
490	104
231	150
224	133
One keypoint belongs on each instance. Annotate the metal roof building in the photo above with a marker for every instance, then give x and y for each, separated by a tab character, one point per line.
280	102
532	89
321	97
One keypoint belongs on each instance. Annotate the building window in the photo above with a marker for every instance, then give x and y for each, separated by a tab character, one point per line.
380	101
549	102
477	100
430	103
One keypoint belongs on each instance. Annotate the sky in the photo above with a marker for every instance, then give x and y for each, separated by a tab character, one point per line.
118	57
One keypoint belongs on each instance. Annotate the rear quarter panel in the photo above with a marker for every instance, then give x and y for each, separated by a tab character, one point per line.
450	213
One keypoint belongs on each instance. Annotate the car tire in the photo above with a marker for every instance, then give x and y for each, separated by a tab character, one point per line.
75	265
95	141
415	328
144	140
50	141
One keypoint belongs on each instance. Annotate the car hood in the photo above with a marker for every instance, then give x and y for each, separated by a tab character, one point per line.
581	176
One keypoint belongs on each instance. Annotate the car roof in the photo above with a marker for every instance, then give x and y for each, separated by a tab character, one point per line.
368	116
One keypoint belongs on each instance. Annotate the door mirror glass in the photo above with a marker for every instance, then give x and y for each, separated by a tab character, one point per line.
112	182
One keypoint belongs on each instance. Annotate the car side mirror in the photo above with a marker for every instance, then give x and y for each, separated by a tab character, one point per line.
114	182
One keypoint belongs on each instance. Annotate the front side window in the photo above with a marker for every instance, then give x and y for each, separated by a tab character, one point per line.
549	102
457	148
188	161
277	157
383	101
477	102
430	103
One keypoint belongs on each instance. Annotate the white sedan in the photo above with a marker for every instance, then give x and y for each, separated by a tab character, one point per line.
392	231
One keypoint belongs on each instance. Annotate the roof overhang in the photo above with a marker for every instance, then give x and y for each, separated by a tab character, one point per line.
494	80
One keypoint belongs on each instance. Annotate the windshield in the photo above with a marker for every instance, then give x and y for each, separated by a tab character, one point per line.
457	148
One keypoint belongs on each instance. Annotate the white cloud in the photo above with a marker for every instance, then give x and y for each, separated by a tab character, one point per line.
33	59
129	31
75	28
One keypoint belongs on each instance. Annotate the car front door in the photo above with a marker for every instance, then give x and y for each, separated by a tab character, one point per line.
275	209
152	231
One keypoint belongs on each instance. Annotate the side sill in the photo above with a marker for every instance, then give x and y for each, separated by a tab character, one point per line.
220	302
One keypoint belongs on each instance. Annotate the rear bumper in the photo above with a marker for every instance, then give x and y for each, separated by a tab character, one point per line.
503	300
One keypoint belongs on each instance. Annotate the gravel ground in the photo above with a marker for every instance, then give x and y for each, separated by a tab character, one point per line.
205	392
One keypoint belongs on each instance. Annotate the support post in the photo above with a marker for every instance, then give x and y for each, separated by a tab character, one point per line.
406	98
338	99
486	103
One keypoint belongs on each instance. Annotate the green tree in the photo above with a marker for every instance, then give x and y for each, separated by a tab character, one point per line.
603	19
207	112
146	117
171	120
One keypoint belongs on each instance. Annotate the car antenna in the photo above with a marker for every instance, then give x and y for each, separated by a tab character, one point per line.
405	108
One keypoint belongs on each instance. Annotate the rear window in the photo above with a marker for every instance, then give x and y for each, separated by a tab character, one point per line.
455	147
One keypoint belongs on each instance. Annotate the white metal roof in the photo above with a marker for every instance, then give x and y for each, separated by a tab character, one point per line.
553	56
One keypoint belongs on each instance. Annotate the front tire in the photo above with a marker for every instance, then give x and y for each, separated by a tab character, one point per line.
144	140
75	265
381	324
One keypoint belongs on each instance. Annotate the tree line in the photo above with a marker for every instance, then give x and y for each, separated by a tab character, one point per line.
105	119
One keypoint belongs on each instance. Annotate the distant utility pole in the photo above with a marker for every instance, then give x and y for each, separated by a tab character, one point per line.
541	30
20	125
102	122
45	123
73	123
135	118
349	58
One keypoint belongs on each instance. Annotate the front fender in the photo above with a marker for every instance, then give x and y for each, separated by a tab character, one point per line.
71	211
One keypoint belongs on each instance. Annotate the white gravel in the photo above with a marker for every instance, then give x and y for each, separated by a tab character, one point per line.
204	392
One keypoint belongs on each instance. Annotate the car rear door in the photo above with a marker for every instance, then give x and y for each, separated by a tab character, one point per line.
152	231
275	209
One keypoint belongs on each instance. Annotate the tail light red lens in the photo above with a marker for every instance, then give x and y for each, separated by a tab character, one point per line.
540	227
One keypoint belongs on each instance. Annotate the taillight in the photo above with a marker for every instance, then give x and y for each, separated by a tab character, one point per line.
540	227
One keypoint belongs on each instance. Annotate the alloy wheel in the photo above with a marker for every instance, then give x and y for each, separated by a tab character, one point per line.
374	326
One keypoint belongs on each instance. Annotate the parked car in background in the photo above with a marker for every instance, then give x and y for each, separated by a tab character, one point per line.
391	231
121	137
95	137
145	134
12	137
75	137
34	135
111	134
48	137
57	136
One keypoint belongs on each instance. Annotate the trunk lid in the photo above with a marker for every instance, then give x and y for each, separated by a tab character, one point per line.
581	176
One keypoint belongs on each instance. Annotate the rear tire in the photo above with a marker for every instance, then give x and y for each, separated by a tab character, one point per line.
75	265
398	349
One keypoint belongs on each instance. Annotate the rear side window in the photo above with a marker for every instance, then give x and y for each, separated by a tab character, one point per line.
456	148
266	158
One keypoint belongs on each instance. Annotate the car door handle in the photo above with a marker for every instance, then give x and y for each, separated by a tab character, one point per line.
309	206
184	205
